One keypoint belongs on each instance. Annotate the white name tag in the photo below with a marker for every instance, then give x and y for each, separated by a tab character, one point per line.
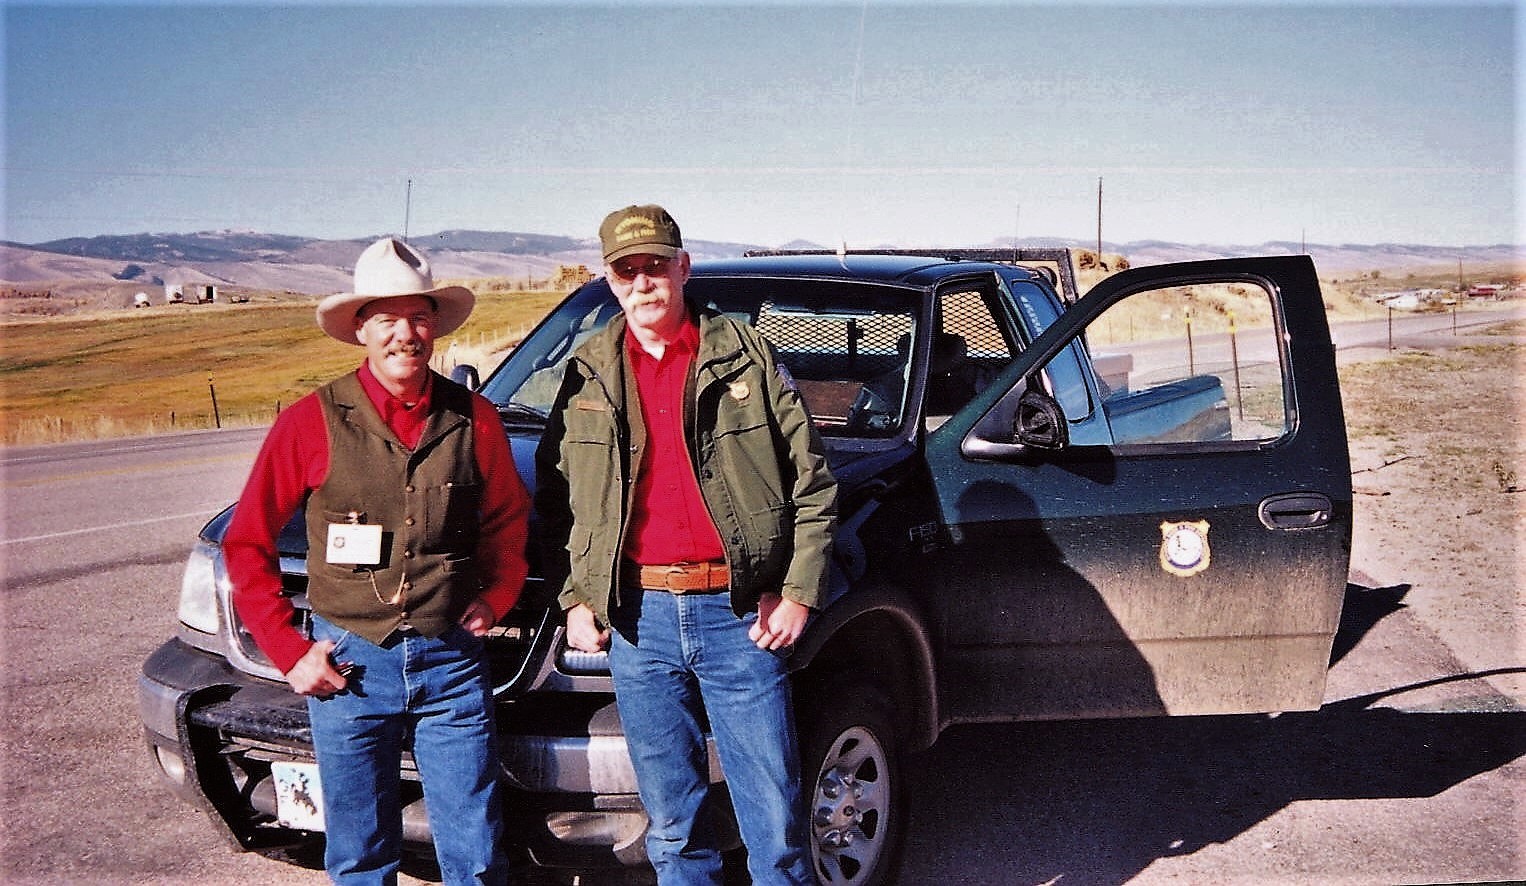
354	544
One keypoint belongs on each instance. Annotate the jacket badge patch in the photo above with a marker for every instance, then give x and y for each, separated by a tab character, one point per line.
787	379
740	390
1184	547
590	406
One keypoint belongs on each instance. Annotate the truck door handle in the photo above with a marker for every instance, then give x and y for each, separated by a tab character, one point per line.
1295	510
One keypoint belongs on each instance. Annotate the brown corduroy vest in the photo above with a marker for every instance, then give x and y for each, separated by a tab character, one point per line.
426	500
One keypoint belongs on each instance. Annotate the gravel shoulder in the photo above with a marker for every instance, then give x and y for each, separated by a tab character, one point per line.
1438	450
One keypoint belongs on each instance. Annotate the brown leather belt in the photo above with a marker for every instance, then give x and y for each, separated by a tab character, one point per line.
684	578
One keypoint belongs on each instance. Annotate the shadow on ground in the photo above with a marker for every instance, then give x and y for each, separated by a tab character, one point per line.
1100	801
1096	802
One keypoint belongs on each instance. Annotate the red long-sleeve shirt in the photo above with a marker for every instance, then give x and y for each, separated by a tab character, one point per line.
669	522
294	460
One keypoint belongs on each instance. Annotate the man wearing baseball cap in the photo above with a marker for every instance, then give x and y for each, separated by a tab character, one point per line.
692	541
416	522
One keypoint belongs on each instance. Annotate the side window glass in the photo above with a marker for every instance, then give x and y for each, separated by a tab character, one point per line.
969	349
539	388
1190	364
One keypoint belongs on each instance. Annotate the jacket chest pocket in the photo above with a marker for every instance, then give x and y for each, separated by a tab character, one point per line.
592	452
748	453
450	516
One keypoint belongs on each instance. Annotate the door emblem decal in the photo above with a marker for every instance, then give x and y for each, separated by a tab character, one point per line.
1184	547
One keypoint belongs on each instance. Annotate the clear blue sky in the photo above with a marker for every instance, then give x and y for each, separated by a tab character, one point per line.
876	123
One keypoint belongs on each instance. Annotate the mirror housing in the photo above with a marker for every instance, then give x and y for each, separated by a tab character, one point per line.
1039	421
465	374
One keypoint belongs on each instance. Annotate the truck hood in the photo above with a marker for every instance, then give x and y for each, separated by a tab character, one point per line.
857	474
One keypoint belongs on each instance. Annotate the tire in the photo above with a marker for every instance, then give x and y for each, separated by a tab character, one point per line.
851	774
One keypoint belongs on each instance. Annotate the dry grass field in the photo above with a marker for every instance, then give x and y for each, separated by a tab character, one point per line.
123	373
113	373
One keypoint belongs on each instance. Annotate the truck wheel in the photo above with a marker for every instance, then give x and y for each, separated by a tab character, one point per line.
852	778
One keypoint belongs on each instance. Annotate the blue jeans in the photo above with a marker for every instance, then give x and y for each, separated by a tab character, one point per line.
434	695
676	658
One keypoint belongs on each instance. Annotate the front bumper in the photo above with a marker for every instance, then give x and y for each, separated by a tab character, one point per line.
213	733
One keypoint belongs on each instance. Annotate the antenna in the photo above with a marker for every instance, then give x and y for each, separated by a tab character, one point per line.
847	153
1017	220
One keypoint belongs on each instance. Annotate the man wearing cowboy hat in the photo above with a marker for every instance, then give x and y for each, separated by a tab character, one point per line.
416	522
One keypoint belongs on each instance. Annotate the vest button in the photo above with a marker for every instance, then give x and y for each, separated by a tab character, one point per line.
407	586
407	555
408	488
408	521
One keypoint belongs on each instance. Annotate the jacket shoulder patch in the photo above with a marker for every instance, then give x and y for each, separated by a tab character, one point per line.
786	379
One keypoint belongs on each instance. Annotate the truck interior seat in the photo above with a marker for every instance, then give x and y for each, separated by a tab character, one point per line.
950	379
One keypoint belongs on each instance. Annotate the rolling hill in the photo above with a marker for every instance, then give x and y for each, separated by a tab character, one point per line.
105	271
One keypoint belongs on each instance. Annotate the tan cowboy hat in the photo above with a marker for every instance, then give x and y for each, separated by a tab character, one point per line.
387	269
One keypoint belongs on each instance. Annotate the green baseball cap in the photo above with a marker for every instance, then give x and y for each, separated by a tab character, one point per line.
646	229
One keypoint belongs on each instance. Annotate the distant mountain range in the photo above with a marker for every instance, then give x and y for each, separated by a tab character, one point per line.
275	262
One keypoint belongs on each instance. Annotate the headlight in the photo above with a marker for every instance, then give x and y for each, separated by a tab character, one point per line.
198	590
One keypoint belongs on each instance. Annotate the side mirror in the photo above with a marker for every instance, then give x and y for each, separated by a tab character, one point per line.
1039	422
465	374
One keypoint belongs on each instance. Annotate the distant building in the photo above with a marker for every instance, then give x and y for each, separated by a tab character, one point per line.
571	276
1401	301
174	294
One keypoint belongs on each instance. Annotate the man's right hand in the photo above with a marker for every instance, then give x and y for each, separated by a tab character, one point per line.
314	673
583	633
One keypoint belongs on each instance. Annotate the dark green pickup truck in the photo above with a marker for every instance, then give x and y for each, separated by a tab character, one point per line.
1133	503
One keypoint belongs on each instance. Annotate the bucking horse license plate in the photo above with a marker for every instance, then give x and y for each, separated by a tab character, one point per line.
299	795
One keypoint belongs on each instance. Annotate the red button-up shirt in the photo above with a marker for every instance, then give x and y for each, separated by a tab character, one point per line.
669	520
295	459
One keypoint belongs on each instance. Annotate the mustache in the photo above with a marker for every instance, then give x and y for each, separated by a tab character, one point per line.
407	349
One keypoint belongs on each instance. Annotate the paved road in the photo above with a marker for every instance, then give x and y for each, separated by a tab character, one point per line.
1393	780
1424	330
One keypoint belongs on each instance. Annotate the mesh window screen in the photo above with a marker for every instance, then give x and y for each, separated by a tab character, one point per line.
967	352
965	314
851	367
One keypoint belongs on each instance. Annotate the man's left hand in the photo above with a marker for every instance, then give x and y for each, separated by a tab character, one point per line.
780	622
478	617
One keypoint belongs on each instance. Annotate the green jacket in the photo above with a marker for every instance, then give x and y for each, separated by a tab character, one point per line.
761	467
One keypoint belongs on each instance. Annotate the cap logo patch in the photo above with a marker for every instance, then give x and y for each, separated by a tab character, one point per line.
634	229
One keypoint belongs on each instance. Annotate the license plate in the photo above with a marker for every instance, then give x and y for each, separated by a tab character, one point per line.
299	795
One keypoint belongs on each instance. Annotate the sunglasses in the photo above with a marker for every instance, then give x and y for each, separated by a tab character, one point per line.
626	269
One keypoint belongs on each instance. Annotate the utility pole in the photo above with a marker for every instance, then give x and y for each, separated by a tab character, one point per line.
407	209
1099	218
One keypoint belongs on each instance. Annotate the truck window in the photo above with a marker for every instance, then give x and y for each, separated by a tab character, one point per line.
851	361
848	347
1190	364
970	347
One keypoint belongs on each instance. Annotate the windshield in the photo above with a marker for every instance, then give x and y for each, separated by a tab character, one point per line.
846	345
